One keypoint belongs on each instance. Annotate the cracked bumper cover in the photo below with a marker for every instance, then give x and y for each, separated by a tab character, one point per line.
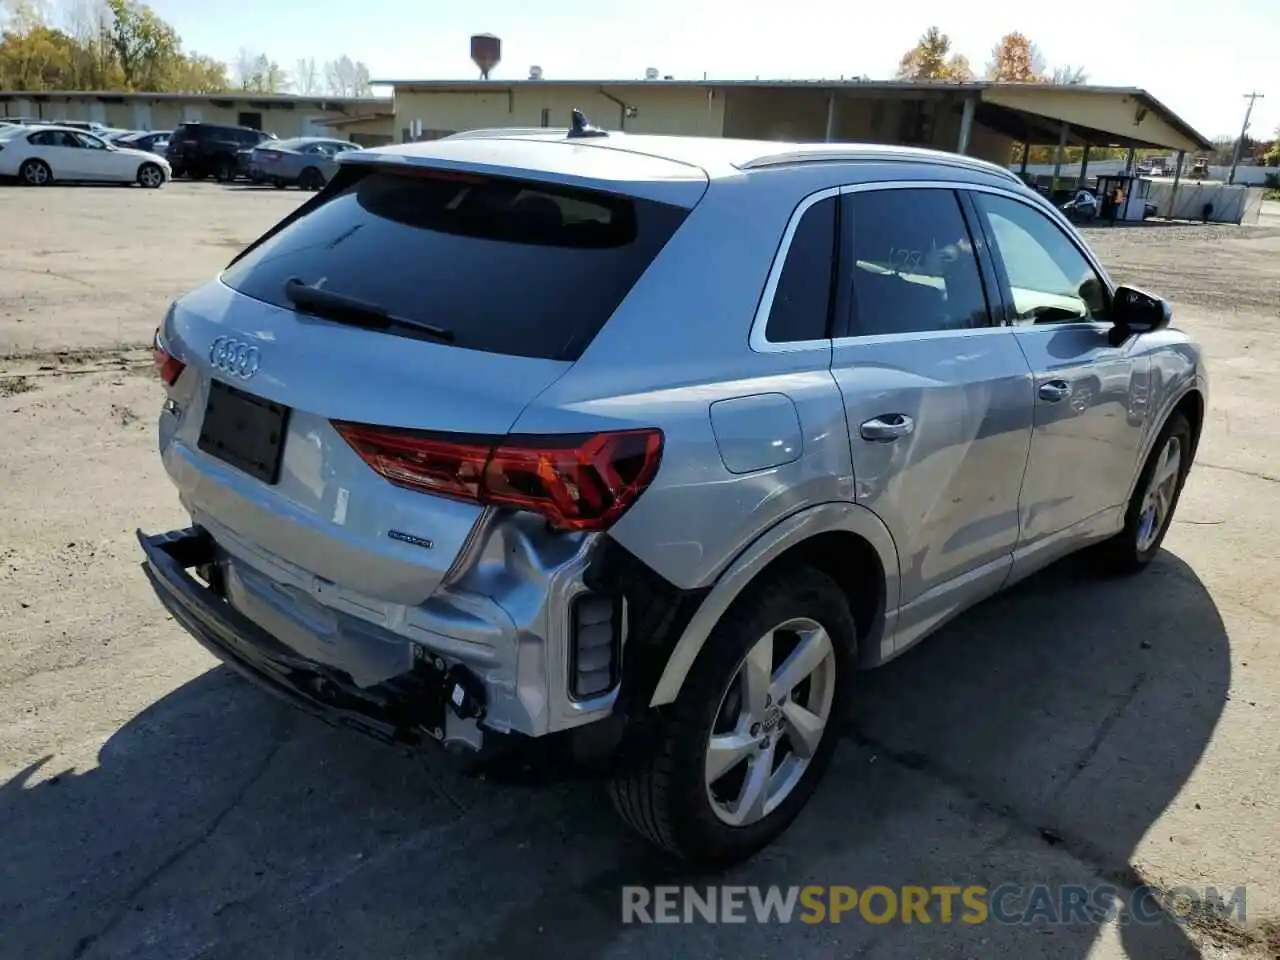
423	701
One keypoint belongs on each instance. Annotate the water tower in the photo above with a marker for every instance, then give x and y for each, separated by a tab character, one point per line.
486	52
535	72
651	73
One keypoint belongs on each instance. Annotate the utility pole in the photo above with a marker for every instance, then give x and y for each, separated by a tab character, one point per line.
1235	160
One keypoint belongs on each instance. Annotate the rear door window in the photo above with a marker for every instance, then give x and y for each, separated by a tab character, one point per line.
508	266
912	263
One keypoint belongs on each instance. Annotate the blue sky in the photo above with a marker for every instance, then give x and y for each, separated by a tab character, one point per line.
1199	58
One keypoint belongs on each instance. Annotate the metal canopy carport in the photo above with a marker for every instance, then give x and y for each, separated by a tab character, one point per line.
1098	116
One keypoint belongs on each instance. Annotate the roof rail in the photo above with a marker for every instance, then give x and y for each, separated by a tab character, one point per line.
487	133
855	152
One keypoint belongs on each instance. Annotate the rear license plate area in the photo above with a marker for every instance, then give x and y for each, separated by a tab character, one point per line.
244	430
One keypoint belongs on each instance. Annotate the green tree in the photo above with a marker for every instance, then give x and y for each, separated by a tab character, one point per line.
147	49
931	59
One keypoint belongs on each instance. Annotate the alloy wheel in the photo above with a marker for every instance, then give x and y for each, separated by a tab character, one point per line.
770	721
1157	502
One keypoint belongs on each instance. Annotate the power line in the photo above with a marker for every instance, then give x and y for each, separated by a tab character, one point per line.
1252	97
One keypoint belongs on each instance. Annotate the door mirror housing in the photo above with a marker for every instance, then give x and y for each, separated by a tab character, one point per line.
1136	311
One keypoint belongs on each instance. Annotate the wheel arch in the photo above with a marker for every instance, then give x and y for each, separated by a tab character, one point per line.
844	540
1191	403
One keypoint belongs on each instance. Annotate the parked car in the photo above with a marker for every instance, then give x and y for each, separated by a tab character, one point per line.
38	156
501	441
200	150
152	141
307	162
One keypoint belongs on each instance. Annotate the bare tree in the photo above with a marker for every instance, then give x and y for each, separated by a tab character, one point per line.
307	81
244	69
1067	74
345	77
258	73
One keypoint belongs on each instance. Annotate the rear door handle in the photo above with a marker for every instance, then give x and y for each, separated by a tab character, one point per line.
887	427
1055	390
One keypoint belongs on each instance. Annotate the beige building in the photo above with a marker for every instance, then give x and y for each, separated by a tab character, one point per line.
284	115
979	118
983	119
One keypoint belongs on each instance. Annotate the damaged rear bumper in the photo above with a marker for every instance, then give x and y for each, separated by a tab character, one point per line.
425	701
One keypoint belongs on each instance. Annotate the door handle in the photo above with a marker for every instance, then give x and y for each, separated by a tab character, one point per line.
887	427
1055	390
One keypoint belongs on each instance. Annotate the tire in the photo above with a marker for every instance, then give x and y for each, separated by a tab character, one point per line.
151	176
310	179
224	170
1136	545
278	183
667	797
35	173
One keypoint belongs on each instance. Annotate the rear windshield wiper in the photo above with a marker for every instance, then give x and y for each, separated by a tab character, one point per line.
358	313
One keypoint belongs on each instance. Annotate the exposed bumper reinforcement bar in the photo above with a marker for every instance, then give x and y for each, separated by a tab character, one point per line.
412	708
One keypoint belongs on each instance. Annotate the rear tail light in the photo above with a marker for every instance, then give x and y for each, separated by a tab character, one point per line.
578	482
168	367
270	155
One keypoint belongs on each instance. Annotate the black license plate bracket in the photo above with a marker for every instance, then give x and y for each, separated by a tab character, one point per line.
244	430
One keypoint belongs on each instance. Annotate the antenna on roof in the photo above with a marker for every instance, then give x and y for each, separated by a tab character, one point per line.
582	127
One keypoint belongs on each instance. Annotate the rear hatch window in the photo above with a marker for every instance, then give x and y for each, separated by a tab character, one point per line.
505	266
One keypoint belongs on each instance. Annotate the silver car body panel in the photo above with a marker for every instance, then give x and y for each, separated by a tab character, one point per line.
761	449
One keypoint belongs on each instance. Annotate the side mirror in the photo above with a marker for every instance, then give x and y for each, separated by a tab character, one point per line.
1136	311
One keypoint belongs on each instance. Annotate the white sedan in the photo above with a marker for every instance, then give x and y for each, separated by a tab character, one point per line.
39	155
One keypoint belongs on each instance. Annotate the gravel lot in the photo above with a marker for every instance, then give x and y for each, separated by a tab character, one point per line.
154	806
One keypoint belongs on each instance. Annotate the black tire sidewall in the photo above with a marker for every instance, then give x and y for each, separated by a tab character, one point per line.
694	826
1176	425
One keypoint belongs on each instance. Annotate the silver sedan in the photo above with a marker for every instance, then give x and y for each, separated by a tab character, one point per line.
307	162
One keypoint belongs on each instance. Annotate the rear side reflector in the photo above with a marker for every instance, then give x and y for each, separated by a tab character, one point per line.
578	482
168	367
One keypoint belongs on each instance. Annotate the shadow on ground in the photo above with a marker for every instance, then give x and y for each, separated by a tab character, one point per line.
1034	741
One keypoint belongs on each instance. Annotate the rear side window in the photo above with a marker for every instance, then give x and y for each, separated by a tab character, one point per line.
521	268
802	300
911	263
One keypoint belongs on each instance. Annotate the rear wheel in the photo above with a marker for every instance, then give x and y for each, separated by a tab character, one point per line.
278	183
743	747
1155	497
150	175
310	179
224	169
35	173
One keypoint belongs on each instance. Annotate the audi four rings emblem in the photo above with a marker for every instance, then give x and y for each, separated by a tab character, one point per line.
235	357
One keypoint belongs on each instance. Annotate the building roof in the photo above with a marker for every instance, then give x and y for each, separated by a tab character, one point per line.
852	85
280	98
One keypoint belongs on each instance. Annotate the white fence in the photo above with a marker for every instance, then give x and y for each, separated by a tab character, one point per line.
1245	176
1234	204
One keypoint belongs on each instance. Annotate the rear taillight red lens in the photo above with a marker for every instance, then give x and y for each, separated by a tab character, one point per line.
579	482
168	367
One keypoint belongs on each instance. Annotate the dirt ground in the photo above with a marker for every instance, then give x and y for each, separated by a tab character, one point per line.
152	805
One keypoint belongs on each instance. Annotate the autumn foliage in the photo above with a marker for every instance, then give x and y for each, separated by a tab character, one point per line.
1014	58
931	59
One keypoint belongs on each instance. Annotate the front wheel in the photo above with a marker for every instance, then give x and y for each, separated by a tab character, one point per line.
742	749
35	173
150	176
1150	510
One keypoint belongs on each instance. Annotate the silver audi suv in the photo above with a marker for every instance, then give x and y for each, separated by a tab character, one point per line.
635	447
